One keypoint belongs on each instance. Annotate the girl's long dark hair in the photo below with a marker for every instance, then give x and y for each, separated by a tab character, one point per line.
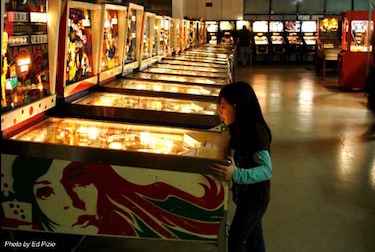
248	112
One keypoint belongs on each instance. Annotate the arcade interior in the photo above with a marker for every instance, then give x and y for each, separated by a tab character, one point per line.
109	122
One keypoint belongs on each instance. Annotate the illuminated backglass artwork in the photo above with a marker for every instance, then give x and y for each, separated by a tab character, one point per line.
24	54
131	41
79	56
110	50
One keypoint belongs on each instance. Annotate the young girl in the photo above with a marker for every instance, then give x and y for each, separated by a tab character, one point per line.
250	169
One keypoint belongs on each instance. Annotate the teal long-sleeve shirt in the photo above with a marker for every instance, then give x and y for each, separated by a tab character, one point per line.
262	172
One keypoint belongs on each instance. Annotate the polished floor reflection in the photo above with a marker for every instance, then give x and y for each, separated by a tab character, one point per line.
323	187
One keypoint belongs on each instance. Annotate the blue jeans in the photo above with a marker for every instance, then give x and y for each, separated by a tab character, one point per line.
244	52
246	232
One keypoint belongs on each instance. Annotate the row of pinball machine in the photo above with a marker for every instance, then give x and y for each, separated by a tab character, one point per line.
109	116
109	123
343	39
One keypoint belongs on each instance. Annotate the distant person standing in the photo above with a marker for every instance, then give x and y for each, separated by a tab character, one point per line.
244	45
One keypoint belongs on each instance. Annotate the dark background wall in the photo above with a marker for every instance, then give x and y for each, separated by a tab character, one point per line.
159	7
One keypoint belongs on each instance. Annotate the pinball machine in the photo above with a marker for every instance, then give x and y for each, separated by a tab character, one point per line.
183	79
193	37
260	38
183	34
202	32
153	109
277	41
328	43
355	57
226	29
29	56
79	48
186	31
139	168
175	35
146	88
309	36
95	102
196	57
112	41
133	37
241	23
118	172
185	64
149	46
212	28
293	40
162	25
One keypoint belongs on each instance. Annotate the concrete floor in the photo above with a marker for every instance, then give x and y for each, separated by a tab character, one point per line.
323	185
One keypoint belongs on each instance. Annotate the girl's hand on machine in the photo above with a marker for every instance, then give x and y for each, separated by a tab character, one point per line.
224	170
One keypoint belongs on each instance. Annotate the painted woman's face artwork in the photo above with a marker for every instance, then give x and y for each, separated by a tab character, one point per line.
90	198
66	212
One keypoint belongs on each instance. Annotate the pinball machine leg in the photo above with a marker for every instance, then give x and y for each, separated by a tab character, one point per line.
324	68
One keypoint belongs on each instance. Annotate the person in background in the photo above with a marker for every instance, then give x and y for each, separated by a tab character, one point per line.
244	45
250	169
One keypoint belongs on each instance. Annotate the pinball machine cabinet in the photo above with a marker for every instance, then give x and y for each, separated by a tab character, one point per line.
355	56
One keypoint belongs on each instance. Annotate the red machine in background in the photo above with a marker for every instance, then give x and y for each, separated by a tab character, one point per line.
356	46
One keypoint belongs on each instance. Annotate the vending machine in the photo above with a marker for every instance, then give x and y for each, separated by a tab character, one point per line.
355	56
28	59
